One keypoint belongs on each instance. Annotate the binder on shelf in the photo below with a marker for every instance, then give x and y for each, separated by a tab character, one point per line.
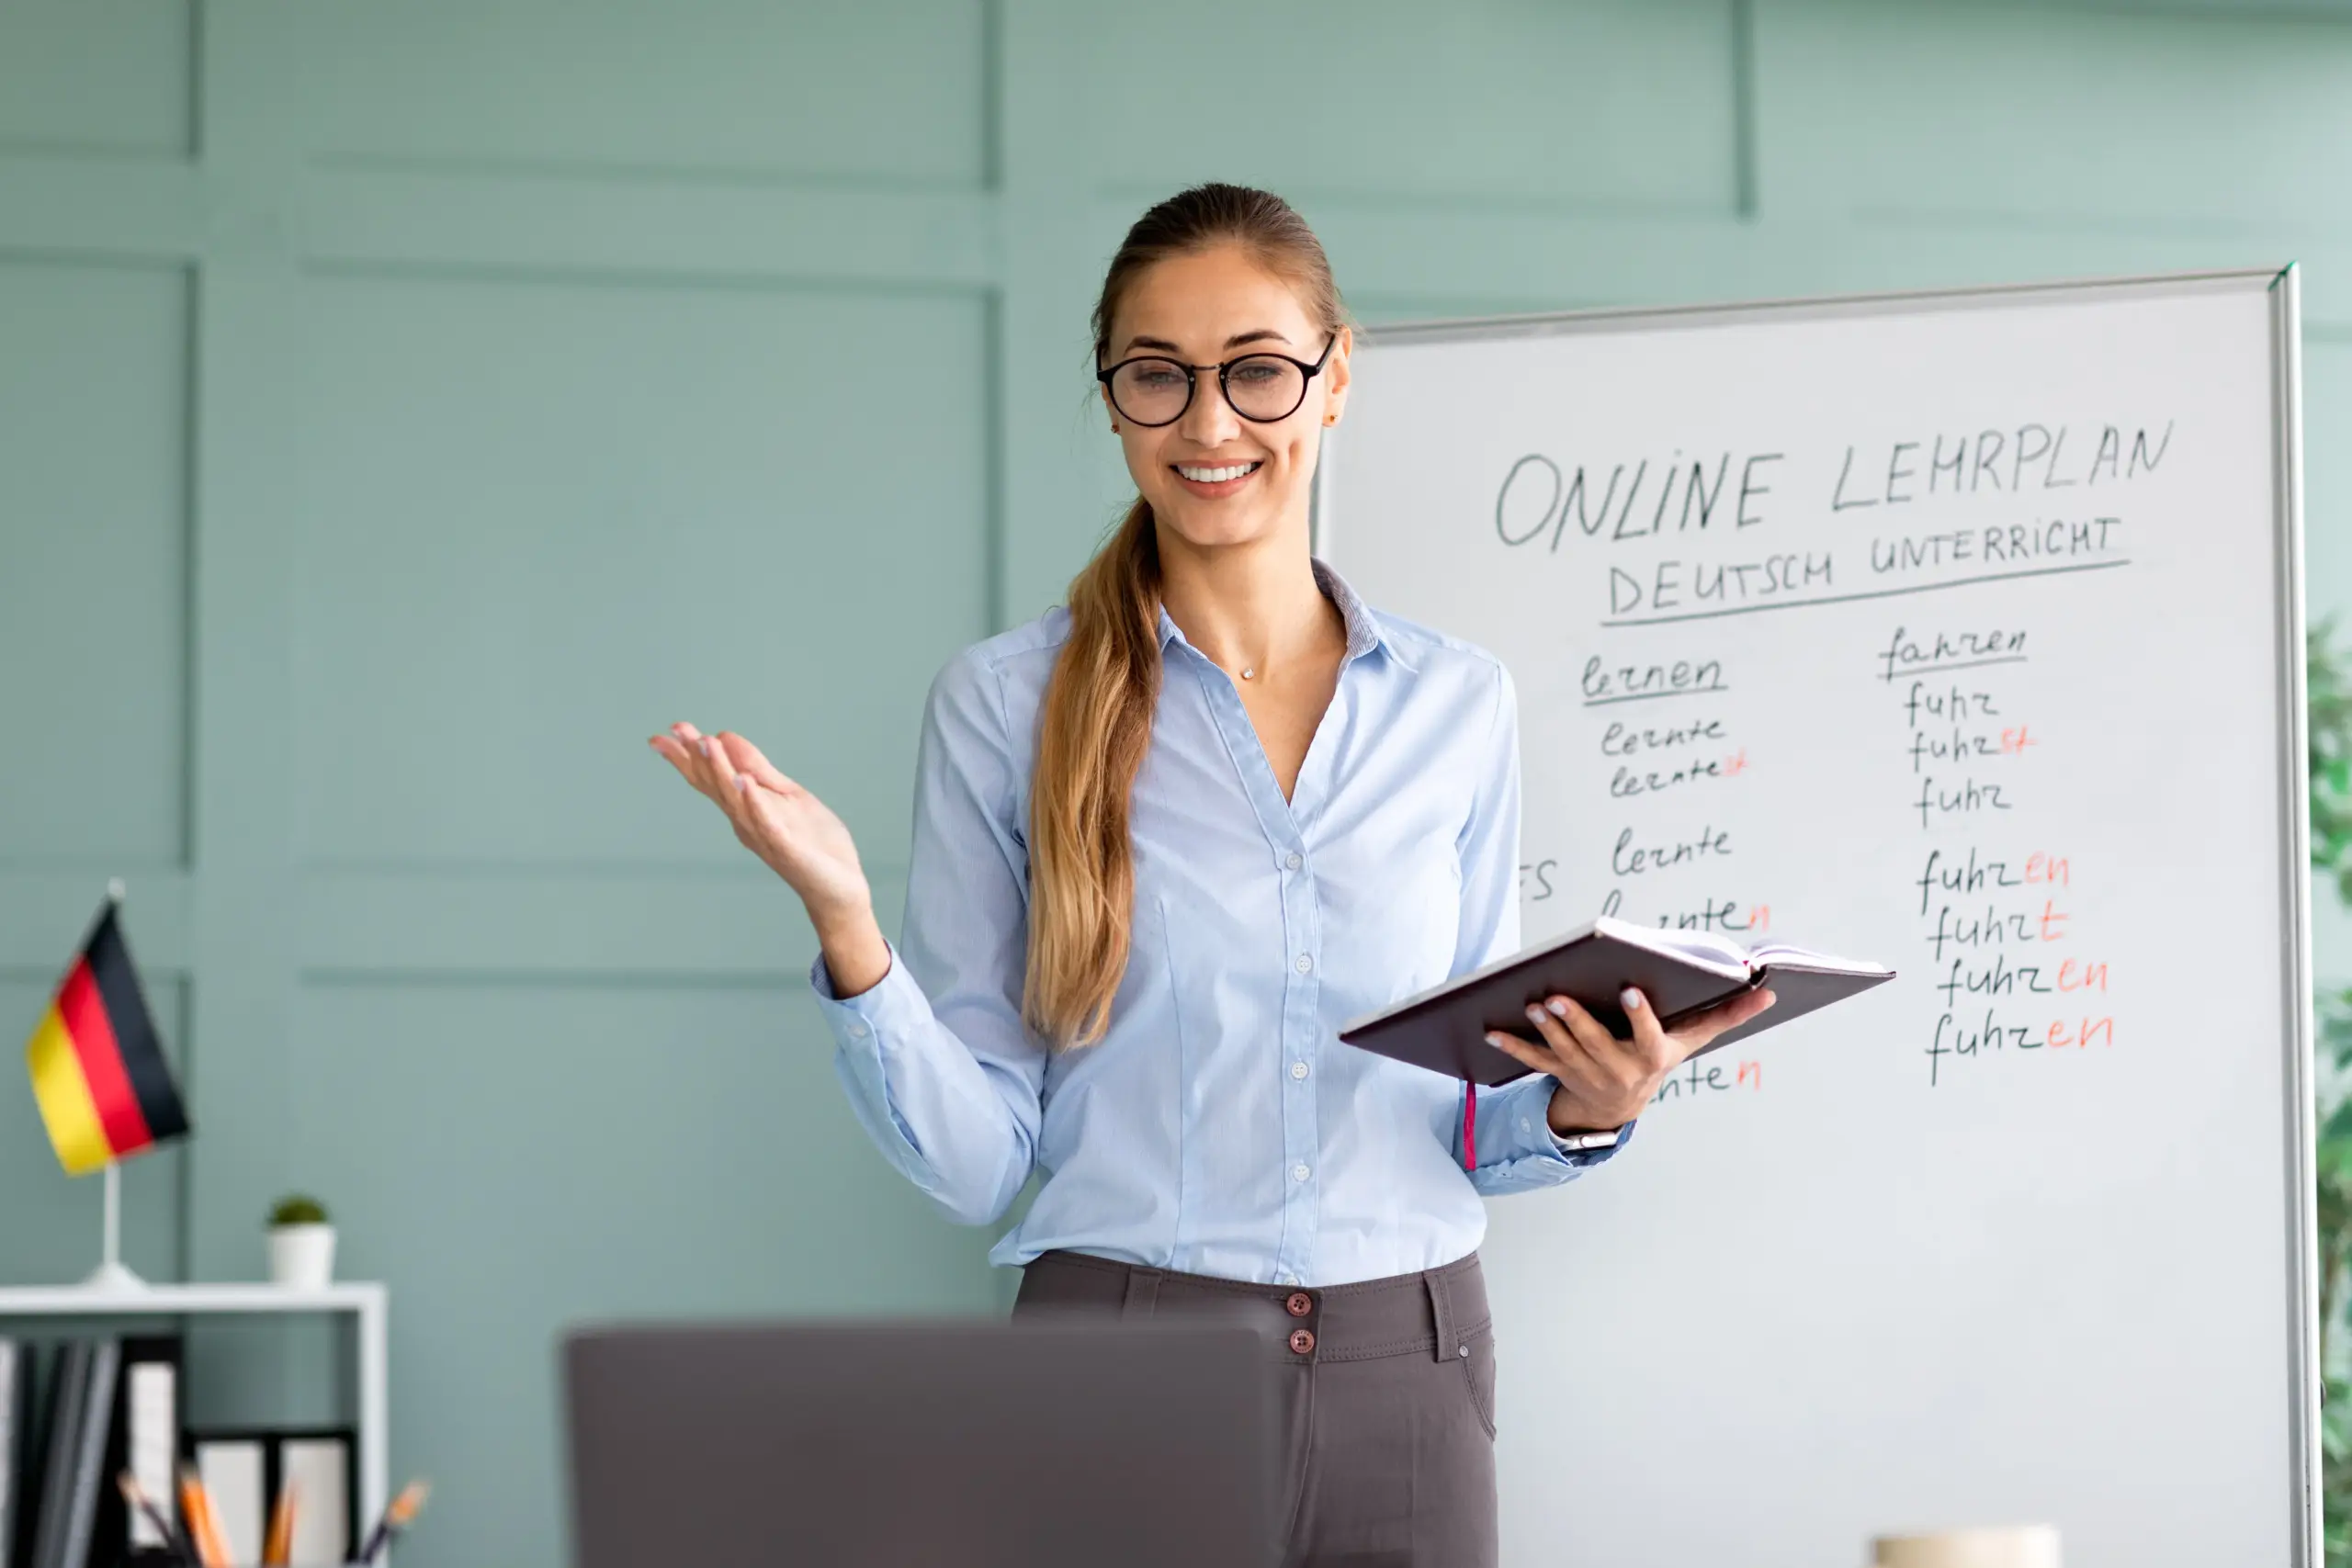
69	1389
39	1410
236	1471
15	1414
88	1477
319	1468
145	1440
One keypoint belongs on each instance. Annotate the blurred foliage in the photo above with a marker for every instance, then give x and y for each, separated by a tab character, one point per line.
2330	702
2331	790
2335	1178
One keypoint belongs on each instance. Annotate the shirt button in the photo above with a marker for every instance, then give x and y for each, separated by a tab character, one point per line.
1293	860
1525	1125
1298	1303
856	1031
1290	1278
1298	1173
1306	964
1298	1070
1301	1340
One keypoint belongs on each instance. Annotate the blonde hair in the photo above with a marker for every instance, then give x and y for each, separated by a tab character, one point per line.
1097	721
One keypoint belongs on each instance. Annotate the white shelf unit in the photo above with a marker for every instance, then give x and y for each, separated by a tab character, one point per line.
365	1301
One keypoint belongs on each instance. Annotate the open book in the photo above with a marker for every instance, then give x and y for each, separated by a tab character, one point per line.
1680	973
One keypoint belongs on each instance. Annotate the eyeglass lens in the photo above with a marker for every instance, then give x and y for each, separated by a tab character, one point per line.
1263	387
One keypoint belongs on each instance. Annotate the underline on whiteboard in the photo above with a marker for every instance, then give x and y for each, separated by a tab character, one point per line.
1872	593
1648	696
1965	664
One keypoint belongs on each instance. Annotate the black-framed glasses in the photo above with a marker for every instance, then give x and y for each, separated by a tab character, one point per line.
1262	388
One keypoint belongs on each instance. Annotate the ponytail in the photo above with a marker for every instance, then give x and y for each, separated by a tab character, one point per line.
1097	726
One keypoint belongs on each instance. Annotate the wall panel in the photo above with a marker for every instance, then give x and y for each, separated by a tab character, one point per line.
891	94
94	466
543	521
107	78
1500	102
2051	117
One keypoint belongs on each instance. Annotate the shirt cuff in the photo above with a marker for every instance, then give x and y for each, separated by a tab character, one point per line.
1518	1113
860	1022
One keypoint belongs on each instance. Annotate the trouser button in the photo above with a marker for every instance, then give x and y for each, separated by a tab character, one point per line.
1299	1304
1301	1340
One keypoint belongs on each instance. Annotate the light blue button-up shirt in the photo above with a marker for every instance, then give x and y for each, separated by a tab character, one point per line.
1219	1127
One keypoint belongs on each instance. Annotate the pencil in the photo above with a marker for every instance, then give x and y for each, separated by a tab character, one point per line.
404	1508
280	1545
203	1524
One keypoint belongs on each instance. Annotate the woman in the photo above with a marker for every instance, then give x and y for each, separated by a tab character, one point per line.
1165	841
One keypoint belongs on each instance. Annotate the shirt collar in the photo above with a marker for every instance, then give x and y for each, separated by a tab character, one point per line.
1364	630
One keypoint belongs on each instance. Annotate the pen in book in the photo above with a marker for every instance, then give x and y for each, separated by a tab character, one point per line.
396	1518
136	1495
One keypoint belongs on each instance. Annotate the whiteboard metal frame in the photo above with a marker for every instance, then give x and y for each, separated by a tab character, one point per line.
2285	287
2287	434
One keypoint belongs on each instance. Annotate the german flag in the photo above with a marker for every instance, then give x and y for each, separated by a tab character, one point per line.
98	1069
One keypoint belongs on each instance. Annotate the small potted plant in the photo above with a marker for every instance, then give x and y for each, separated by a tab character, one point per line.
301	1244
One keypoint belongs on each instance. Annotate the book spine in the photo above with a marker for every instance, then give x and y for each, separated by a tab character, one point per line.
12	1436
72	1387
145	1442
90	1460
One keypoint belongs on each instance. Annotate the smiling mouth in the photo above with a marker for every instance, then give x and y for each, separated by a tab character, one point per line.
1204	475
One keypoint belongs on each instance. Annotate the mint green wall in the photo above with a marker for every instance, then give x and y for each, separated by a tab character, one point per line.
403	409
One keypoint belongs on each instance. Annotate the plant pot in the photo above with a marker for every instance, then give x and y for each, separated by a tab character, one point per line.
301	1256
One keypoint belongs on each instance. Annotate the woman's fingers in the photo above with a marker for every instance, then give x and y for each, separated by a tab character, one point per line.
731	791
1584	1026
1650	1040
690	742
1702	1031
722	764
701	757
748	759
684	757
708	761
1536	1056
1567	1033
1572	1056
731	771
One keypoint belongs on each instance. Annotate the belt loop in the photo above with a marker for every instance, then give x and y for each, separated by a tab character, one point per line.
1143	1293
1440	1311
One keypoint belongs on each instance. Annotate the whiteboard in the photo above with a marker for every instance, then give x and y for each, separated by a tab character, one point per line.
1961	631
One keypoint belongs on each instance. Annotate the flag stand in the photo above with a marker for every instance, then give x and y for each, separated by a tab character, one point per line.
110	1275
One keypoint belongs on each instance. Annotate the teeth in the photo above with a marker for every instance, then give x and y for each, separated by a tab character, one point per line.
1215	476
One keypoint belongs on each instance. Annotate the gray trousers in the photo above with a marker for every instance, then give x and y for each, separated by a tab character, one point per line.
1385	1398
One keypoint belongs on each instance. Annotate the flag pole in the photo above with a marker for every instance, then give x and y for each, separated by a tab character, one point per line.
110	1275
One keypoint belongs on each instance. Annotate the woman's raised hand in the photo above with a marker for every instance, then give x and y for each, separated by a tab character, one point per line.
798	837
